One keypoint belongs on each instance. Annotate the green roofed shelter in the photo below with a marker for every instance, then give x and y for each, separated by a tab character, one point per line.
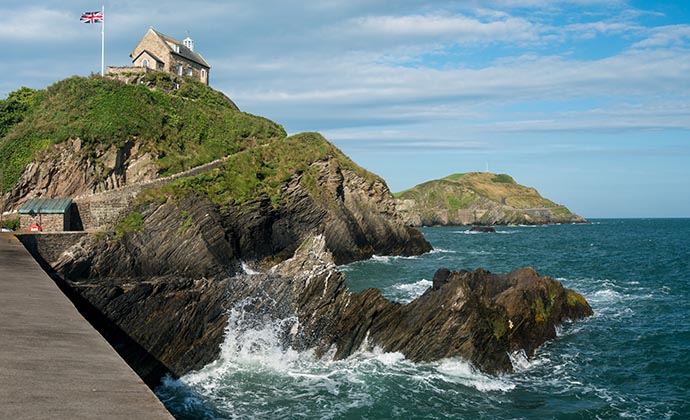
50	214
46	206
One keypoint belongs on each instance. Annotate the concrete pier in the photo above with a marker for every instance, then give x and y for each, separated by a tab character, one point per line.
53	363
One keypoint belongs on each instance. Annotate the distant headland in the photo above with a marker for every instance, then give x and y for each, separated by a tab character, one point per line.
479	198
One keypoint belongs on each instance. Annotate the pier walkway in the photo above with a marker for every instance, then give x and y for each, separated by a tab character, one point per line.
53	363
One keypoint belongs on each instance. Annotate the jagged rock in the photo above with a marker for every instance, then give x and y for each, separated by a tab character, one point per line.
440	278
478	316
64	170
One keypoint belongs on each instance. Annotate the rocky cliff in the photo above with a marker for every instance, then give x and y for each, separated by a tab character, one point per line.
479	198
179	320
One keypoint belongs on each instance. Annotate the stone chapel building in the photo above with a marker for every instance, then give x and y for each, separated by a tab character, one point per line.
159	52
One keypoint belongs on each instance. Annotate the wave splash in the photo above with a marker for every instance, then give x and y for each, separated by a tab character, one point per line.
257	376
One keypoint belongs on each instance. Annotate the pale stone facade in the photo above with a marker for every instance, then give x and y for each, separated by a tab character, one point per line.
47	222
159	52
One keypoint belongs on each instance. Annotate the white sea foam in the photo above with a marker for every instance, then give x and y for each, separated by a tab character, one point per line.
442	251
459	371
247	269
388	259
479	252
607	295
407	292
386	358
247	345
519	360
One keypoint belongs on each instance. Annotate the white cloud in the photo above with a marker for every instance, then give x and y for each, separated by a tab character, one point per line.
458	27
349	79
666	36
38	24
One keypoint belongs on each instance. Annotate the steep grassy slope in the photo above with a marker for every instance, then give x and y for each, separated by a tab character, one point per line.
265	171
479	197
180	128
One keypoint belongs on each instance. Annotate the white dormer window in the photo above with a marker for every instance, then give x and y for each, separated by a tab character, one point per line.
174	46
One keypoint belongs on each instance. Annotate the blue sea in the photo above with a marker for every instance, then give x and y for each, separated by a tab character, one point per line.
631	360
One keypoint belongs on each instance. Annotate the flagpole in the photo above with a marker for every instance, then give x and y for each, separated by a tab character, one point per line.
103	40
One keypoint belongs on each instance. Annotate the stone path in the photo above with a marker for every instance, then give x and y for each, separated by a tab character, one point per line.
53	363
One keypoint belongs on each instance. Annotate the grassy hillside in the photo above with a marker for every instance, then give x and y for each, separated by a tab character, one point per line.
263	171
181	128
462	190
479	197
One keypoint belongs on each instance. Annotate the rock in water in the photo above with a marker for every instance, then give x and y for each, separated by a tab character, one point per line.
482	317
478	316
483	229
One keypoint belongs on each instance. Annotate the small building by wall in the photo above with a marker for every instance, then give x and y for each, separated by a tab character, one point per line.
51	214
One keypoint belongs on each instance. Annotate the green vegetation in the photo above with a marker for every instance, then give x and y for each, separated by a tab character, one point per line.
16	107
500	327
10	223
262	172
454	177
188	222
541	314
575	299
182	128
461	191
133	222
503	179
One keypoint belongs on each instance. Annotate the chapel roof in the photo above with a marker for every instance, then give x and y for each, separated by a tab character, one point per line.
182	50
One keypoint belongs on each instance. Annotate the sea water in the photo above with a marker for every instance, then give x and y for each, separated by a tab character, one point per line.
631	360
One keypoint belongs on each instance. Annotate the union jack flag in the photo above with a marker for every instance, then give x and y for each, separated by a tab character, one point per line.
91	17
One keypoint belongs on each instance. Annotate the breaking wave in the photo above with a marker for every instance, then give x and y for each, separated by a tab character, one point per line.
408	292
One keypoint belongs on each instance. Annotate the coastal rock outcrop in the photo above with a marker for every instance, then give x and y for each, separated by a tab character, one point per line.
478	316
479	198
166	261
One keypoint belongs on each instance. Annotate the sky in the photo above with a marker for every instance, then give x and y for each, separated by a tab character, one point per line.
586	100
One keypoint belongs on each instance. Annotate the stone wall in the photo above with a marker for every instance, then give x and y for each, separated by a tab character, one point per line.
128	74
48	247
48	222
102	211
197	71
